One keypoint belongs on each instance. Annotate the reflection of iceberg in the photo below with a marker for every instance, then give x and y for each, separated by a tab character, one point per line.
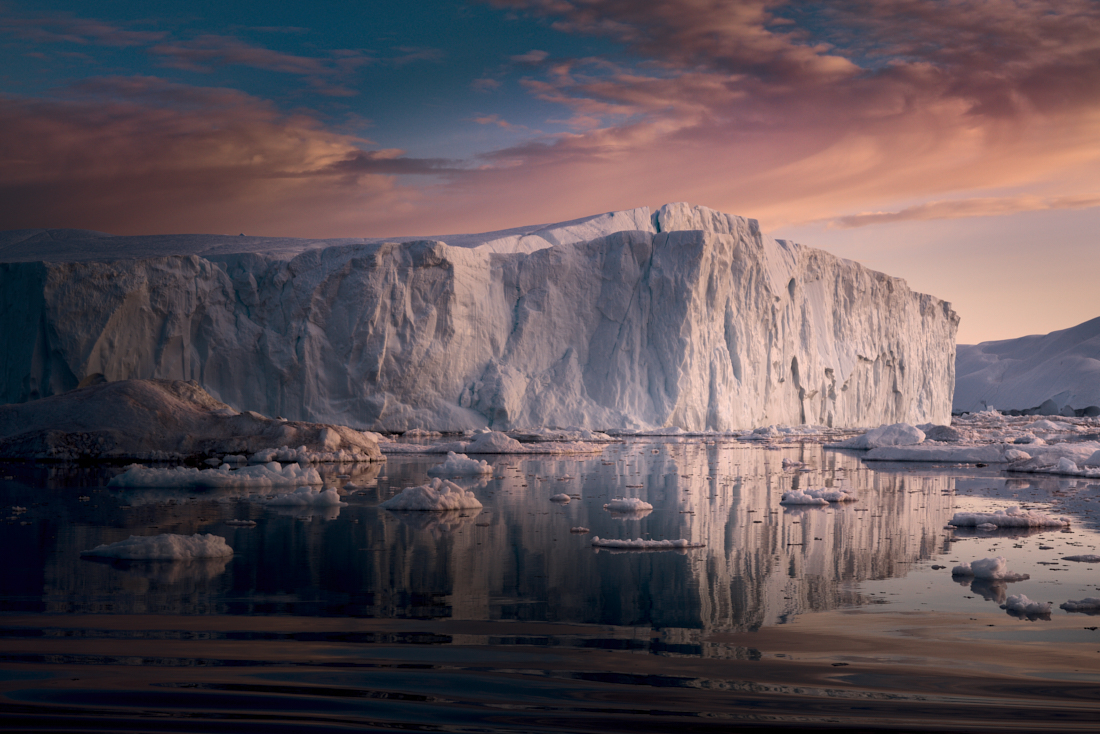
1089	605
323	512
626	515
168	572
993	590
438	522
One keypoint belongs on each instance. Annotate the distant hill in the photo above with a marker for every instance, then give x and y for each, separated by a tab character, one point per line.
1047	371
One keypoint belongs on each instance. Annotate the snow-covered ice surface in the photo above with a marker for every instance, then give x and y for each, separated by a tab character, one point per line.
164	420
1088	605
685	317
989	568
163	547
641	544
1048	371
1012	517
821	496
260	476
627	504
438	495
460	465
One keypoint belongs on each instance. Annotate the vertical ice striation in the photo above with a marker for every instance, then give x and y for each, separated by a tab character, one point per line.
688	317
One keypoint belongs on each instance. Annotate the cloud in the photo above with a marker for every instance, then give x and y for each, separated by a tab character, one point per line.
957	209
411	54
533	56
64	28
484	85
133	155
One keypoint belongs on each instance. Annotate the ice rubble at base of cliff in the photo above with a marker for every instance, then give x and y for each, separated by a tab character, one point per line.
1024	444
687	317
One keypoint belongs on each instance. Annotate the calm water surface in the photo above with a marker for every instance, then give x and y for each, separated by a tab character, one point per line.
503	619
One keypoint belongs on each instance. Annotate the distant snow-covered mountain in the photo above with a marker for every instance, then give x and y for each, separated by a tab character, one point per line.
1056	372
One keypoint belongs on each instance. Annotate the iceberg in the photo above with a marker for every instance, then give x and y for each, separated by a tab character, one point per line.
163	547
681	317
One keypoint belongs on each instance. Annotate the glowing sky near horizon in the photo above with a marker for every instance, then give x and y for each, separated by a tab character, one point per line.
953	143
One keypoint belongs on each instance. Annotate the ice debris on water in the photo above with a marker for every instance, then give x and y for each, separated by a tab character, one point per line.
1021	605
580	530
1013	517
260	476
627	504
897	434
1088	604
640	544
460	465
563	499
438	495
816	496
995	569
164	547
1085	558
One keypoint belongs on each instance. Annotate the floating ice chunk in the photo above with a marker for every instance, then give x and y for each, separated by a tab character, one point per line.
460	465
562	498
1088	604
627	504
1016	455
580	530
791	463
640	544
989	568
494	442
241	523
307	497
252	477
1087	558
421	433
1020	604
1066	466
816	496
898	434
436	496
164	547
1013	517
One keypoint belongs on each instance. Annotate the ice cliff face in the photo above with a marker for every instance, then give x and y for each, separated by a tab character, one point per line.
688	317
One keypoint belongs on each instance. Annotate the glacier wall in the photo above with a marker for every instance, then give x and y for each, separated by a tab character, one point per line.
687	317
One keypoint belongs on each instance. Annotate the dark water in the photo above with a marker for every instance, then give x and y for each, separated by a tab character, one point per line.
502	619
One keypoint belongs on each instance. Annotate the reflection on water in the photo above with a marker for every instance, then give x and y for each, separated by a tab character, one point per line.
513	560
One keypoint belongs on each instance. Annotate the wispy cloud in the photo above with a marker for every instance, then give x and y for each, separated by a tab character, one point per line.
84	31
960	208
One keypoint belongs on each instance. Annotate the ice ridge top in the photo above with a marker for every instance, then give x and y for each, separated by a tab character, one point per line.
684	316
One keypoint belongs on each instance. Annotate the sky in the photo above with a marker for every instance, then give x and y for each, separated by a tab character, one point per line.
953	143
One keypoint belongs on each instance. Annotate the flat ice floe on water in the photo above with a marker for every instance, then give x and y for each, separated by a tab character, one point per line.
264	476
1088	605
640	544
819	497
1013	517
438	495
1087	558
460	465
995	569
1020	605
164	547
627	505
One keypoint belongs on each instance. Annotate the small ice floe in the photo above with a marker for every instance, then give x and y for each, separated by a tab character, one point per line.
164	547
1088	605
816	496
460	465
898	434
261	476
580	530
627	504
1019	605
1086	558
421	433
1013	517
306	497
563	499
494	442
241	523
792	464
640	544
989	568
438	495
